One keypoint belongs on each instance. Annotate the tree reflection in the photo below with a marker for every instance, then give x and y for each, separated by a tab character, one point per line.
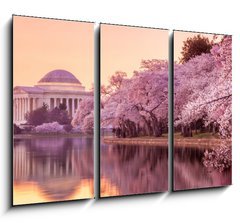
190	171
219	159
134	169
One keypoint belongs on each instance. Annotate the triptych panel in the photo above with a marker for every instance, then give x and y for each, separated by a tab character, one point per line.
53	105
53	110
202	154
134	110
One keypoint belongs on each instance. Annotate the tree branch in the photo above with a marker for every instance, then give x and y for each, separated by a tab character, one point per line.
217	99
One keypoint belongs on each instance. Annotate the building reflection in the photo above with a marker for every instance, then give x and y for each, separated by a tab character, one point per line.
56	165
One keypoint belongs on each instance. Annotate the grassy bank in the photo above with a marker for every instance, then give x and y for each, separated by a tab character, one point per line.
179	141
205	135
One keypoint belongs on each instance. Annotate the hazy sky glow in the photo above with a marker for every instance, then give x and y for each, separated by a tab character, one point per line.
42	45
181	36
123	48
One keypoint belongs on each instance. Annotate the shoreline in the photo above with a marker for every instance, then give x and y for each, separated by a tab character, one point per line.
184	142
151	141
35	135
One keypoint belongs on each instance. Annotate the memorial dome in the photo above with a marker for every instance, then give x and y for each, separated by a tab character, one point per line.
60	80
59	76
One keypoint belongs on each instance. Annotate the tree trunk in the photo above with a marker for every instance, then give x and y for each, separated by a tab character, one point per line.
195	125
147	127
187	131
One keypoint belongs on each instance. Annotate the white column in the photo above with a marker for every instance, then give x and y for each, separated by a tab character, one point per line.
57	102
48	102
25	110
34	104
26	105
19	109
73	110
23	106
76	107
51	105
24	101
16	109
20	118
30	104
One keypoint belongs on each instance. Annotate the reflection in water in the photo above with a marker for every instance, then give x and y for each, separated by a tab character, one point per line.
133	169
52	169
190	172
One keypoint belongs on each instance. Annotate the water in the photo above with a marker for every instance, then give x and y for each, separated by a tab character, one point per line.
136	169
47	169
190	173
133	169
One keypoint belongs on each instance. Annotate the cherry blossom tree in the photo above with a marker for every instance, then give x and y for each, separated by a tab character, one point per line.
203	91
84	117
138	105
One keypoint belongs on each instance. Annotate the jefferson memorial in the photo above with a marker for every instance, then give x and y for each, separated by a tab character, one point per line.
57	86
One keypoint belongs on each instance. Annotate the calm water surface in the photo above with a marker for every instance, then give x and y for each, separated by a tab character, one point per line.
136	169
49	169
190	173
133	169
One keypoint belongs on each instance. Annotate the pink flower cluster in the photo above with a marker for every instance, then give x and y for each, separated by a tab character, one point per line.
203	89
53	127
218	159
84	117
137	105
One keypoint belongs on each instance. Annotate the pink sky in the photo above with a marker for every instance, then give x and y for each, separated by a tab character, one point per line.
123	48
42	45
181	36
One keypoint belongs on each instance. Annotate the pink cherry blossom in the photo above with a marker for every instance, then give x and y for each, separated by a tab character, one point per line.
203	89
138	105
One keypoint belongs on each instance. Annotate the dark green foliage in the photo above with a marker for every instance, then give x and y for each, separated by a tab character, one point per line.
16	129
44	115
195	46
67	128
62	106
60	115
38	116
